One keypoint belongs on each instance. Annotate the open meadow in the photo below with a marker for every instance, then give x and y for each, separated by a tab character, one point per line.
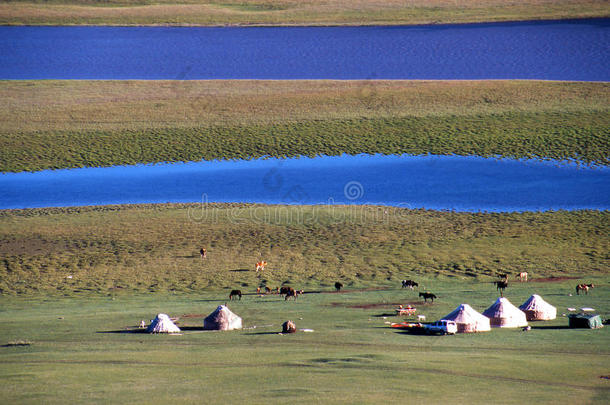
76	282
289	12
83	350
66	124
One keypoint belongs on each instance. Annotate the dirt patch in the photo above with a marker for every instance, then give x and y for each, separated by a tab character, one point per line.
552	279
374	305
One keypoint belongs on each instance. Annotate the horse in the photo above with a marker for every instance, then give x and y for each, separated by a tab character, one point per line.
522	276
260	265
338	286
583	287
291	293
235	293
501	286
503	276
284	290
409	283
427	295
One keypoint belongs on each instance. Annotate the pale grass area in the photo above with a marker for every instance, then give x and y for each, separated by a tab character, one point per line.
291	12
75	105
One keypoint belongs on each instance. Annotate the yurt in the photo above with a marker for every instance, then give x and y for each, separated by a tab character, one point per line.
503	314
162	324
468	320
537	309
222	319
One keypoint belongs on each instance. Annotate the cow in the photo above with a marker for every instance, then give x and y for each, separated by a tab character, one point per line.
583	287
427	295
409	283
338	286
204	253
522	276
260	265
235	293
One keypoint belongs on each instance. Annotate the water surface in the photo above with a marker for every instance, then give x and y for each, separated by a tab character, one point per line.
551	50
433	182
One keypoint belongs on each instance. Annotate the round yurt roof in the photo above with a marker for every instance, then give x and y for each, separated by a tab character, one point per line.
503	314
162	324
468	319
538	309
222	319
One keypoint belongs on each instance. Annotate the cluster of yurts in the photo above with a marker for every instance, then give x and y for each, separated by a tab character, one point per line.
221	319
502	314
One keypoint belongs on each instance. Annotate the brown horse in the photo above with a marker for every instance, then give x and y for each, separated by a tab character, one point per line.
583	287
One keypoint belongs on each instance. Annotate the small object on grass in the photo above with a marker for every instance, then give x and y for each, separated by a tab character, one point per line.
15	343
306	330
527	328
571	309
289	327
587	309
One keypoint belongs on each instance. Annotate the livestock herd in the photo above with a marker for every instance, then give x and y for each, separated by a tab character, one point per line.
288	292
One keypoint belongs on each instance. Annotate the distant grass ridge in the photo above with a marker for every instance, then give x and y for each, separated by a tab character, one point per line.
579	136
155	248
290	12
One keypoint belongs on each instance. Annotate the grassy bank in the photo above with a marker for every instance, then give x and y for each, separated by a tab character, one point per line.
62	124
79	351
290	12
123	249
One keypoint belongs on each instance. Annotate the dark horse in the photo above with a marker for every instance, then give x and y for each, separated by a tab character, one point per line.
291	293
409	283
427	295
235	293
501	286
338	286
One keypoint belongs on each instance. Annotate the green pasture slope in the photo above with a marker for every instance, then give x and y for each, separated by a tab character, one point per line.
289	12
67	339
66	124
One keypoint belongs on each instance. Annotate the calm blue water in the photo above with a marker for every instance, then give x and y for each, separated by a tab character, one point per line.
556	50
433	182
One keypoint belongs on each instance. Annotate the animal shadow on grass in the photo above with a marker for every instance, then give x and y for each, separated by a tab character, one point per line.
384	315
123	331
551	327
239	270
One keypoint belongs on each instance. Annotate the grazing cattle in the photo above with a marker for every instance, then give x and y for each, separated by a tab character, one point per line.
204	253
409	283
501	286
583	287
522	276
261	265
338	286
235	293
503	275
267	290
427	295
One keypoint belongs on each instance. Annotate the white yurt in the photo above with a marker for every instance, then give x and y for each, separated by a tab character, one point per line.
537	309
503	314
222	319
468	320
162	324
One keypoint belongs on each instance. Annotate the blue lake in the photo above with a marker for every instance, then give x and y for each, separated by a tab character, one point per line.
553	50
433	182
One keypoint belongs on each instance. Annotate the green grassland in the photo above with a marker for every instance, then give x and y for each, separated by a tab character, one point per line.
80	350
154	248
64	124
290	12
75	281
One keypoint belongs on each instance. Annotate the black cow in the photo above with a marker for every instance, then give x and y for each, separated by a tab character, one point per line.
338	286
409	283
